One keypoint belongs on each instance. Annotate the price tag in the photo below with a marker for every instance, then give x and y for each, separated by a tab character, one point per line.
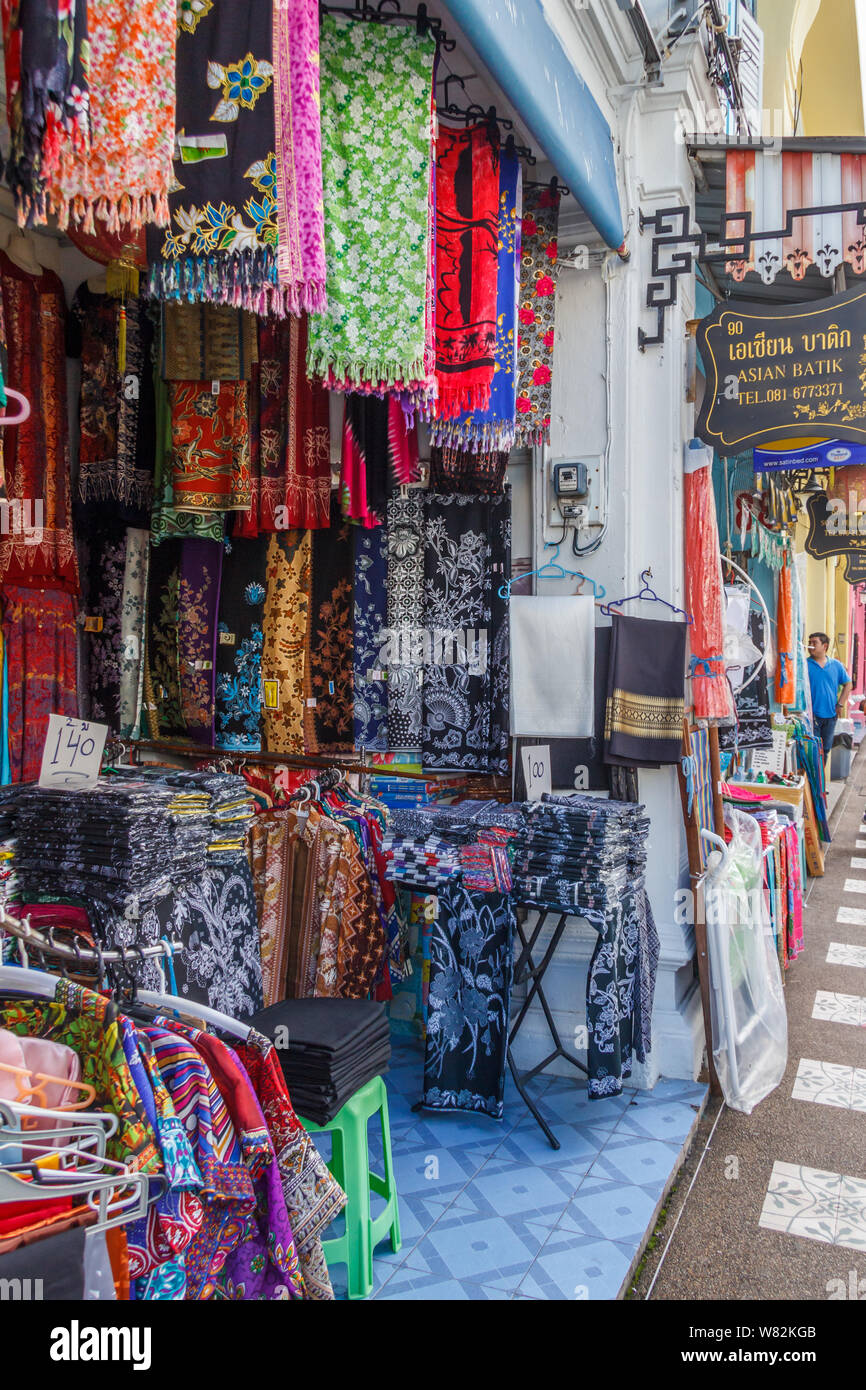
536	771
72	755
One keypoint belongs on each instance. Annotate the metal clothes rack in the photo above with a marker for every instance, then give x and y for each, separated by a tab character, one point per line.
299	761
43	942
525	970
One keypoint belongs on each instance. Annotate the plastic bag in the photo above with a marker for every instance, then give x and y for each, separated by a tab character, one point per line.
747	1003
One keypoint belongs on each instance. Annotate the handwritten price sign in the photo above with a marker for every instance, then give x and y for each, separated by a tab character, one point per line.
536	771
72	755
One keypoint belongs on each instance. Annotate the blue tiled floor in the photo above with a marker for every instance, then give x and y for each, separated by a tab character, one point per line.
489	1211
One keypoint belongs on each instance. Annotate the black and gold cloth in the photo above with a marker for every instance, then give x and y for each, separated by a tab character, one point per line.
645	692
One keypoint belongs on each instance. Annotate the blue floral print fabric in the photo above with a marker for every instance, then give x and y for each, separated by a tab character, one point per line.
240	636
370	624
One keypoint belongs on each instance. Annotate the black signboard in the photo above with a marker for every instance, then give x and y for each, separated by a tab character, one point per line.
780	373
832	532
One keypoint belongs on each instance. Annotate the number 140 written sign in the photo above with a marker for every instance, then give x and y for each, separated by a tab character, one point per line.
72	756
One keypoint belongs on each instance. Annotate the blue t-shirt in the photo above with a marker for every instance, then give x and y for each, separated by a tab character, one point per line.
825	682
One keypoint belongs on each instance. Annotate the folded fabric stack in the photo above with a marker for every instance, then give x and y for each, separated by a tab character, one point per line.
486	867
580	853
328	1050
431	845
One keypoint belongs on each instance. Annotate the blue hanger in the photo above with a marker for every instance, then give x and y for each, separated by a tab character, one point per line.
645	592
552	569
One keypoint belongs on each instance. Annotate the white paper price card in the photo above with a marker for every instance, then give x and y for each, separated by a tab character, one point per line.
72	755
536	771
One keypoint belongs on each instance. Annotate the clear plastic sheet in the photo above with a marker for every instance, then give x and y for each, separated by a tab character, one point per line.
749	1019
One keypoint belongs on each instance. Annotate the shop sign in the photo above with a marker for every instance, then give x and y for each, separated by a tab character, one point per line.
828	536
781	373
821	453
72	754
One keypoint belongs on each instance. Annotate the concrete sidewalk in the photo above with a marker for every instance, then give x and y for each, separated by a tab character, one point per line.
772	1205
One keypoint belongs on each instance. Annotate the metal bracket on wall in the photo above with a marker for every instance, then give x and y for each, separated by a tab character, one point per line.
681	247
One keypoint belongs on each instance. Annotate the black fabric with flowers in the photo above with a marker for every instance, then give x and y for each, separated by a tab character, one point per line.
471	969
239	646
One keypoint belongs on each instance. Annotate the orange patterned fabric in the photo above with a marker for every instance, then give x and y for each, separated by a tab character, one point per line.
786	665
284	628
124	179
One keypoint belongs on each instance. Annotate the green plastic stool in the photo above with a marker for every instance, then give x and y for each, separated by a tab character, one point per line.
350	1165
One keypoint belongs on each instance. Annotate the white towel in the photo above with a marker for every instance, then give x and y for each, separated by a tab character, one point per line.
552	661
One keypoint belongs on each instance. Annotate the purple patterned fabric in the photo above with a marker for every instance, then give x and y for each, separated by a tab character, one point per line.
300	199
198	606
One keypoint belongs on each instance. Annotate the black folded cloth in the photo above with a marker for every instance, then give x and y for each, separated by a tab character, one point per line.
328	1049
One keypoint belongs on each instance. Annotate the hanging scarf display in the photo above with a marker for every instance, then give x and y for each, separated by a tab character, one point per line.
711	693
116	413
132	632
369	636
328	704
165	519
492	430
39	638
379	455
536	315
37	549
376	87
103	542
465	470
292	435
221	246
770	547
300	195
198	604
467	1026
123	180
210	445
786	677
239	646
46	56
207	342
162	668
284	632
464	559
405	597
467	238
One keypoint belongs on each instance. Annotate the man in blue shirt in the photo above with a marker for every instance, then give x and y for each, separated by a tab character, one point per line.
830	685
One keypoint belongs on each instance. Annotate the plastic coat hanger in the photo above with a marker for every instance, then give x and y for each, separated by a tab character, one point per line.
24	412
646	593
552	569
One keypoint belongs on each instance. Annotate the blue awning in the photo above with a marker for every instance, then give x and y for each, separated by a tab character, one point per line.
516	41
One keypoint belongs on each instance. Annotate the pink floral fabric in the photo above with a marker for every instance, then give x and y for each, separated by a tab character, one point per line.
300	197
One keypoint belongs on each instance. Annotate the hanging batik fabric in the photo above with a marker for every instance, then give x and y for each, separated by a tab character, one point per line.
239	646
467	240
198	603
536	313
492	430
466	540
166	519
300	195
132	632
467	470
711	693
210	445
46	59
376	87
405	597
611	990
103	542
284	628
116	413
328	706
37	548
222	242
207	342
293	488
123	178
39	634
753	728
162	669
369	637
471	967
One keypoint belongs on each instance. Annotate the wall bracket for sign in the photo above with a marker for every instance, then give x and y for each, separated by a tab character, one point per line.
676	248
